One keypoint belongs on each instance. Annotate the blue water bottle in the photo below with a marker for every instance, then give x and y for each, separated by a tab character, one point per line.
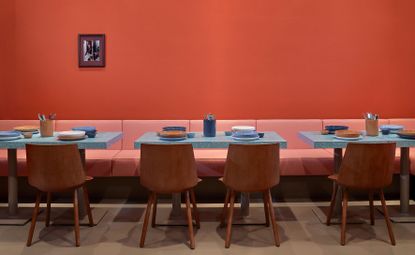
209	125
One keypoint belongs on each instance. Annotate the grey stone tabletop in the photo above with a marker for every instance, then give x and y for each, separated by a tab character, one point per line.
103	140
317	140
220	141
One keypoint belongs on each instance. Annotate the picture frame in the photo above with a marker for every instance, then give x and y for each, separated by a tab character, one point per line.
91	50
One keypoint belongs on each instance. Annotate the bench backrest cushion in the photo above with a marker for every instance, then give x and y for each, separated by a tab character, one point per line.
289	129
221	125
407	123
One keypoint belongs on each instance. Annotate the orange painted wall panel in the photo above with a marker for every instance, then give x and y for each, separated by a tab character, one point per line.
171	59
7	29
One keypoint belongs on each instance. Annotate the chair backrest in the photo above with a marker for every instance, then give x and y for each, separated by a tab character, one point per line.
54	167
367	166
252	167
168	168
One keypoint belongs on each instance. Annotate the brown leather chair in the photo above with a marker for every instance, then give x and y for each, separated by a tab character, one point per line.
56	168
251	168
166	169
365	167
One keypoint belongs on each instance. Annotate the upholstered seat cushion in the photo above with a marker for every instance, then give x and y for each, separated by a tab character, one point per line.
298	162
98	162
126	163
21	163
209	163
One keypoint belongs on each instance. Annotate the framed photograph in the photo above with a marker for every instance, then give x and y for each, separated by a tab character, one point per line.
91	50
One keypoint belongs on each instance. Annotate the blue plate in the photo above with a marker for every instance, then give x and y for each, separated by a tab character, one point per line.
9	133
90	131
245	134
172	138
333	128
391	127
85	128
406	136
174	128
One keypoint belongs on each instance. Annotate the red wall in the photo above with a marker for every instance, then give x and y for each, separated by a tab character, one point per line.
238	59
7	28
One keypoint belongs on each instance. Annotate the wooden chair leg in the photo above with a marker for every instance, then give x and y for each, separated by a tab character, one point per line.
344	216
190	221
34	218
386	214
225	209
230	218
76	217
146	218
266	208
195	211
332	203
372	208
48	200
273	220
153	215
88	206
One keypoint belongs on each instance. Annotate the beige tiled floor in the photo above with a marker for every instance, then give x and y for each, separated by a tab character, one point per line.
300	230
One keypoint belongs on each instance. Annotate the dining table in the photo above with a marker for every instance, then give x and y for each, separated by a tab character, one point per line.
329	141
220	141
14	216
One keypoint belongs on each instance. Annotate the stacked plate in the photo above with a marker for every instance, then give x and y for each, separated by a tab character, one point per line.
71	135
90	131
333	128
349	135
10	135
407	134
172	135
24	129
244	133
174	128
390	129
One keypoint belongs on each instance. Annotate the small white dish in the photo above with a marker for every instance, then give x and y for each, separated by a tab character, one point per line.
348	138
11	138
243	128
71	133
245	138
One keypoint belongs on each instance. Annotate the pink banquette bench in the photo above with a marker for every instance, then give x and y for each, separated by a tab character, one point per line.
299	159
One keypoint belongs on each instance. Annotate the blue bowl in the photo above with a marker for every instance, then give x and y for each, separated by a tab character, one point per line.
90	131
333	128
85	128
386	131
174	128
91	134
191	135
228	133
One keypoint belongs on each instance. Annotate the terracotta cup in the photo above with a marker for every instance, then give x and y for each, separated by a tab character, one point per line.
372	127
47	128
